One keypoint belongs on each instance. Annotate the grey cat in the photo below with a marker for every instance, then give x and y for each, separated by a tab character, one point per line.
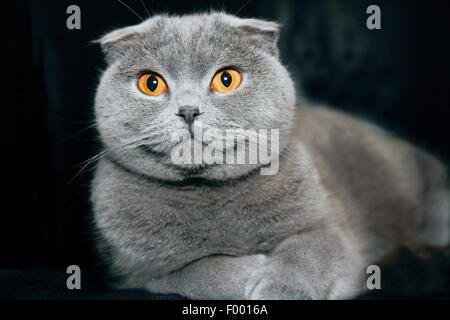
346	194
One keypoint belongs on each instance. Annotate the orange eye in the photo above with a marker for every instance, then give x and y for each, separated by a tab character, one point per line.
226	80
152	84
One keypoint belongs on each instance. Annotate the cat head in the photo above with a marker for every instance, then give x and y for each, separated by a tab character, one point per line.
190	74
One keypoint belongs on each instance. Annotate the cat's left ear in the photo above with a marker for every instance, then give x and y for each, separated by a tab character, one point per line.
262	33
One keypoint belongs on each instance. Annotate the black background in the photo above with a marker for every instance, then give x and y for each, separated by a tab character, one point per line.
397	77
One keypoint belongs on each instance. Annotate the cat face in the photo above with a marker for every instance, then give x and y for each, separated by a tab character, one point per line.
194	72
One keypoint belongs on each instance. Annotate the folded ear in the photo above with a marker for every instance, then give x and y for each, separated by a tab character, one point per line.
115	43
262	33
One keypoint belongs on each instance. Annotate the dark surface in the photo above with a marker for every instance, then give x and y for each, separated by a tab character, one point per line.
397	77
409	277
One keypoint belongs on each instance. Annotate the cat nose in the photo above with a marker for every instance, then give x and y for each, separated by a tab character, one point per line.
188	113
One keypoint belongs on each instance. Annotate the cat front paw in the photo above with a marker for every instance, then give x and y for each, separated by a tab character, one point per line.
267	286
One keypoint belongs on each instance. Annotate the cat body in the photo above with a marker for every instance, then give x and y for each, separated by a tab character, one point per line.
346	193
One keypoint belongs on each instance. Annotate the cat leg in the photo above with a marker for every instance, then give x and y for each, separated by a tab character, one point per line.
319	264
435	228
212	277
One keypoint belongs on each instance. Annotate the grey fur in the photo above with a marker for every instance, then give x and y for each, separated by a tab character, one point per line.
346	195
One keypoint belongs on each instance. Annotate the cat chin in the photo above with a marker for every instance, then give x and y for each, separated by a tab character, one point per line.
212	173
160	169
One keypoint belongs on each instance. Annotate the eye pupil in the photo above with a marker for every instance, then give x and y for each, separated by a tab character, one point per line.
226	79
152	83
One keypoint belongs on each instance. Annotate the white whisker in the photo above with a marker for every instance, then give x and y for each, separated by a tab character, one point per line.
131	10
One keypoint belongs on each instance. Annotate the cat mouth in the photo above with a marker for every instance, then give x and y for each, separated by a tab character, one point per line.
151	151
165	159
197	160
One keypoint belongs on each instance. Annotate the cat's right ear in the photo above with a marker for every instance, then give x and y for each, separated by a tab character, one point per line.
114	44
